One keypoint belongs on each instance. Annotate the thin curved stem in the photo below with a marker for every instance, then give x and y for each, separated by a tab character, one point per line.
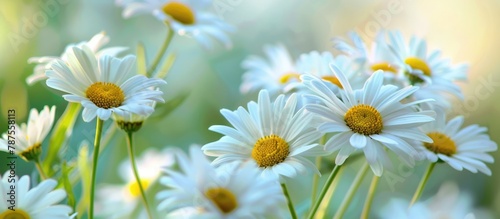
161	52
350	193
422	183
324	190
315	176
328	197
40	169
289	200
369	197
97	144
136	174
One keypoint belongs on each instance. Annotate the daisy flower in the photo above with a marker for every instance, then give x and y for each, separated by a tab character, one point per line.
272	74
464	148
105	86
367	119
95	44
186	17
39	202
119	201
433	74
29	137
231	191
275	137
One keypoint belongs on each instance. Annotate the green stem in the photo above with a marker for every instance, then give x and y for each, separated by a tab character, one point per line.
369	197
318	165
40	169
323	191
421	186
97	144
162	51
350	193
289	200
331	190
136	174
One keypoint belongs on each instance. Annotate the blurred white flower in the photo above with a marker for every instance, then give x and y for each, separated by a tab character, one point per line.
119	201
29	137
39	202
461	148
103	87
273	136
367	119
234	190
95	44
186	17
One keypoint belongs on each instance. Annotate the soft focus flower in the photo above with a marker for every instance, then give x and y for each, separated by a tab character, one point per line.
234	190
95	44
273	136
464	148
186	17
29	137
103	87
119	201
272	74
39	202
367	119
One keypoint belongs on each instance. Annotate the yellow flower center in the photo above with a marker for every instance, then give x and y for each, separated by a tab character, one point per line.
364	119
288	77
179	12
134	188
416	63
442	144
270	150
17	214
105	95
224	199
384	66
333	80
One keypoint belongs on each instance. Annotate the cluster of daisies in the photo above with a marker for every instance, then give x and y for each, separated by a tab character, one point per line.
391	99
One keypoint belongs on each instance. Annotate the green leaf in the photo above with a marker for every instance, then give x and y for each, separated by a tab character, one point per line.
165	68
62	130
141	60
65	170
85	172
165	109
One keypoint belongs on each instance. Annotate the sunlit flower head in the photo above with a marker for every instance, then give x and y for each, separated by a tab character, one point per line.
272	73
119	201
186	17
234	190
369	119
103	86
275	137
462	148
29	136
95	44
434	74
39	202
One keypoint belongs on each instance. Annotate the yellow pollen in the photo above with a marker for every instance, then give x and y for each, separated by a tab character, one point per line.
270	150
179	12
223	199
134	188
288	77
105	95
333	80
416	63
442	144
17	214
364	119
384	66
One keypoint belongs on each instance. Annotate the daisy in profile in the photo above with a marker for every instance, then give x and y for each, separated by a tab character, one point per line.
275	137
29	137
186	17
461	148
369	119
119	201
39	202
230	191
272	74
95	44
104	85
433	74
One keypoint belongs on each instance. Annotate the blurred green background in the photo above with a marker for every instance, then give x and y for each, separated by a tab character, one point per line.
466	31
